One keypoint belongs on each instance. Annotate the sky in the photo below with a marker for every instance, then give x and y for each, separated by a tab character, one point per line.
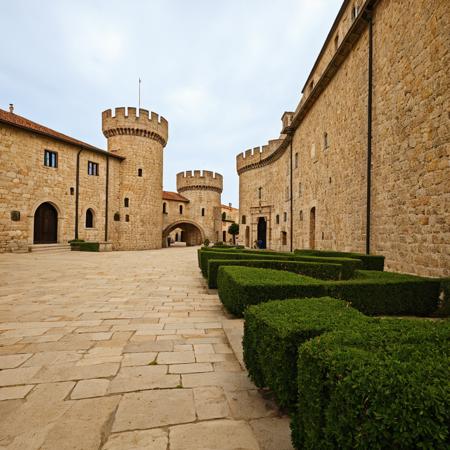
221	72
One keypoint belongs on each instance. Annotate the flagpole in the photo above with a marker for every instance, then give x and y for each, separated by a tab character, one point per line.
139	93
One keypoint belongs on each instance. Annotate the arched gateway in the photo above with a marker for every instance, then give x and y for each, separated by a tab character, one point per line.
45	224
191	232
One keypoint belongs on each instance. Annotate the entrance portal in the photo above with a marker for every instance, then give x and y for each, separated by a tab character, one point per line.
186	231
262	232
46	224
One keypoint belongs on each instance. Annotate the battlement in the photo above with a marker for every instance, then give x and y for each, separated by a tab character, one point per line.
286	120
255	156
126	121
199	180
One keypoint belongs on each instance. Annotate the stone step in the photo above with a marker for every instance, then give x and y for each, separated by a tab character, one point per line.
49	248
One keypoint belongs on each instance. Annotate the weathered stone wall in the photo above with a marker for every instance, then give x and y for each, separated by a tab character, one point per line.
140	139
26	183
410	212
203	190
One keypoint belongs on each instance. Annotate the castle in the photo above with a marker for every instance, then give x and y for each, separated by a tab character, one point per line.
54	188
363	163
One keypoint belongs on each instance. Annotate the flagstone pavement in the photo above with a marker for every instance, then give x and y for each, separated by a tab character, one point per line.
123	350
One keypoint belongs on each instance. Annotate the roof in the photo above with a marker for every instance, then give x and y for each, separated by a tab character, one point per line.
174	196
26	124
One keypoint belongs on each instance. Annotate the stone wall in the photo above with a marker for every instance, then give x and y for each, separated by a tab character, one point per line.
26	183
410	212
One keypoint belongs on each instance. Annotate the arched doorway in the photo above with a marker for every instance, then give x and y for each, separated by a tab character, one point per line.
262	232
312	228
188	232
45	224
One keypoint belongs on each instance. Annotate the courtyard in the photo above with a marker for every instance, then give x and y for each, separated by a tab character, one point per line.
123	350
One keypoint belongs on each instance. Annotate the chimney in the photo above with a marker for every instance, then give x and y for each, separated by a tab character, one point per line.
11	108
229	204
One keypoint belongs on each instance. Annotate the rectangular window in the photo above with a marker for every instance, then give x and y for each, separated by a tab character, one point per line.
92	168
296	161
50	159
283	238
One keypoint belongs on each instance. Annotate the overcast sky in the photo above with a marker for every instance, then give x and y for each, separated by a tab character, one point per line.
221	72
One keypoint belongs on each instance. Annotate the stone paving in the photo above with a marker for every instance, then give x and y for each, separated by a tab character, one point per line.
123	350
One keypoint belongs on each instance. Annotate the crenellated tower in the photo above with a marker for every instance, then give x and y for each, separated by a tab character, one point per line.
140	139
203	189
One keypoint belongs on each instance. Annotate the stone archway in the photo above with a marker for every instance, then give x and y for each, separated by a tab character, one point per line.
45	229
191	232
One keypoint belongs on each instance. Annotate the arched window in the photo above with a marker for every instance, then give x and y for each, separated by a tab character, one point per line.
126	202
164	208
203	212
89	218
277	218
243	220
260	193
181	209
139	172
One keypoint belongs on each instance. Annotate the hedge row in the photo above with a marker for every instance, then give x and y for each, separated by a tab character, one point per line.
369	262
348	265
274	330
324	271
384	387
371	292
85	246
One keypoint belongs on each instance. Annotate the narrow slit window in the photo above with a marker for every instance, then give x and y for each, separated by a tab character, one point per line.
164	208
181	209
139	172
203	212
126	202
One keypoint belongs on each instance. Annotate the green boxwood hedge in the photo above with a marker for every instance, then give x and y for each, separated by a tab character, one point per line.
323	271
369	262
348	265
85	246
372	292
274	330
384	387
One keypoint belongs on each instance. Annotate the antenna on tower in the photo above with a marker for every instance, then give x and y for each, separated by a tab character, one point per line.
139	101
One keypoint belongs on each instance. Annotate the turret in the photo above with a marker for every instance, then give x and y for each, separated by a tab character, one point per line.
140	139
203	189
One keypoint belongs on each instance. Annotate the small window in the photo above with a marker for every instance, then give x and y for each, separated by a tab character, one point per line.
164	208
203	213
283	238
181	209
299	189
355	11
277	219
296	161
243	220
127	218
72	191
325	140
260	193
89	218
224	216
50	159
139	172
336	41
285	216
92	168
126	202
301	215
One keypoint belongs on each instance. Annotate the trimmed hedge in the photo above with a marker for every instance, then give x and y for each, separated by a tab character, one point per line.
85	246
371	292
323	271
348	265
386	387
369	262
274	330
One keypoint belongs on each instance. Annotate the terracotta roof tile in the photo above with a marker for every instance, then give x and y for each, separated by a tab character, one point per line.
26	124
174	196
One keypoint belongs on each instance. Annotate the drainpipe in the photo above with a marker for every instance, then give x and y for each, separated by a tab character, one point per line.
292	199
77	192
369	131
106	198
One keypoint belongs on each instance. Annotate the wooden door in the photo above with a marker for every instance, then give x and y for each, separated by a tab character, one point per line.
46	224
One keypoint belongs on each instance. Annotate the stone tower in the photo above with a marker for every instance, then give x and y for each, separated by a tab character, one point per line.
203	190
140	139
